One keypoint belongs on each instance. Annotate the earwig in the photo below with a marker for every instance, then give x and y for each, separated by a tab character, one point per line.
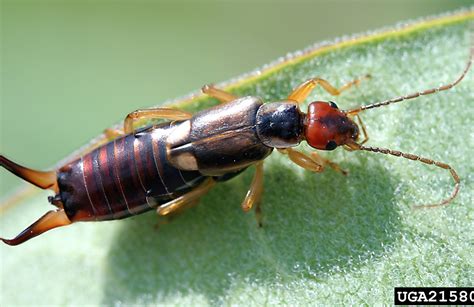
170	166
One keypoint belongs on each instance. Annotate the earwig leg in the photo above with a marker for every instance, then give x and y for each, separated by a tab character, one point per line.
219	94
313	162
166	219
112	134
303	90
44	180
352	83
254	193
164	113
181	202
302	160
50	220
188	205
322	161
364	130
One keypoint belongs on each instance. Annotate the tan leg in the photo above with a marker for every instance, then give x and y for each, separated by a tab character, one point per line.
254	193
181	202
164	113
166	219
303	160
219	94
303	90
112	134
323	162
364	131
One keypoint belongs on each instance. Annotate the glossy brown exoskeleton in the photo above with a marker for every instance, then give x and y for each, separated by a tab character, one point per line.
168	167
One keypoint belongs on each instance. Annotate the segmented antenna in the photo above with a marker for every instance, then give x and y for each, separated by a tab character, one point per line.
417	94
396	153
413	157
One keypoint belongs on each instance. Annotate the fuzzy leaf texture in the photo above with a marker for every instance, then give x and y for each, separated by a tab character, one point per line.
326	238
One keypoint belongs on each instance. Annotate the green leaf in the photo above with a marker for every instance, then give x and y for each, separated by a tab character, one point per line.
326	238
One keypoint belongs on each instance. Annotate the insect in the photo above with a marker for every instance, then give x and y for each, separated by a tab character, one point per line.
170	166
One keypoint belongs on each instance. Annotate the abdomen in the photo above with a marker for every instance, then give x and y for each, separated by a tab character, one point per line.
125	177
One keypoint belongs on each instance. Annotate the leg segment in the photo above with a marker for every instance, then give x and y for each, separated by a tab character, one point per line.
183	201
254	193
323	162
312	162
112	134
364	131
303	90
166	219
303	160
165	113
219	94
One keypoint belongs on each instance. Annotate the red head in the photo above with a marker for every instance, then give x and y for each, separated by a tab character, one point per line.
327	127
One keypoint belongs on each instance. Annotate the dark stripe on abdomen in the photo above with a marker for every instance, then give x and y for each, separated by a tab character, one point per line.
94	184
89	184
107	179
146	166
100	182
133	191
111	183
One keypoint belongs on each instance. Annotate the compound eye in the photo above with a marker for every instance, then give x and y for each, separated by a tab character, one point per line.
331	145
333	104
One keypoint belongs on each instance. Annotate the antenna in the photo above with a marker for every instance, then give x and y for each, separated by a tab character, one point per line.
396	153
417	94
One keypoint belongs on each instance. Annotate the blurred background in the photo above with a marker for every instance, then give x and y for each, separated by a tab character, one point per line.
69	69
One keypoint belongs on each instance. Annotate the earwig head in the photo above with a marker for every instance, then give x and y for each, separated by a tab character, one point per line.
327	127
